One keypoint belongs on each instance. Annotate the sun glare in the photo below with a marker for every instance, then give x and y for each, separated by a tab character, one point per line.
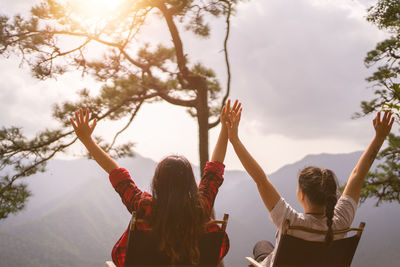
95	8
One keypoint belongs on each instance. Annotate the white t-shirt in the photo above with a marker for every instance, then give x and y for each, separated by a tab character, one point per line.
345	210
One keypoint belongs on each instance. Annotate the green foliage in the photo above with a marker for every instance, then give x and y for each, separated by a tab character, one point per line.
23	158
13	199
132	72
385	14
384	182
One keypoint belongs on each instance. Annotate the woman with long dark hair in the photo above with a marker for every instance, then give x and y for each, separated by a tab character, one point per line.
317	192
177	209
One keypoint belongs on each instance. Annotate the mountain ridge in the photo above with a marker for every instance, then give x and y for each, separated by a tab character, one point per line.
84	217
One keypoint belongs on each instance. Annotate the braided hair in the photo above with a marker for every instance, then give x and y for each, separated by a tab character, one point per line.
320	186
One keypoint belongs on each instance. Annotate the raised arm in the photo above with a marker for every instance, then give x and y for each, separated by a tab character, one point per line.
84	132
267	191
222	142
357	176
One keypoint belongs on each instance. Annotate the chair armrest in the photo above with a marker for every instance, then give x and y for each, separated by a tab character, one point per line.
110	264
253	262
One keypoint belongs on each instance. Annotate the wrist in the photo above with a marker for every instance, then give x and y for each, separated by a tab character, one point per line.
379	138
234	140
86	140
224	130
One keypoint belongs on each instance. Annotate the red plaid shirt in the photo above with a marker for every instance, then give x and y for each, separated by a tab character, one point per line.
135	199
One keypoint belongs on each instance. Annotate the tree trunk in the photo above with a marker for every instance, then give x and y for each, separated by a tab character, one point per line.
202	118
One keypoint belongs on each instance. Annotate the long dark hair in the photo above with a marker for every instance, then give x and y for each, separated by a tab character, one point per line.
177	214
320	186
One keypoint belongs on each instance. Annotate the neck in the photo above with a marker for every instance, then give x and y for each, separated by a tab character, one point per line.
315	213
314	210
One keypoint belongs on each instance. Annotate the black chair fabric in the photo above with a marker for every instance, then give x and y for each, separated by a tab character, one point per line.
294	251
142	250
143	246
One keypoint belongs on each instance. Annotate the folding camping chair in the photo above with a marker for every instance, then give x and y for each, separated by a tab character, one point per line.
142	246
293	251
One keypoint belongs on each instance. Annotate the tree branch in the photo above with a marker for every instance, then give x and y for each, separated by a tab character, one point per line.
88	36
177	101
68	52
21	174
181	59
228	68
126	126
173	100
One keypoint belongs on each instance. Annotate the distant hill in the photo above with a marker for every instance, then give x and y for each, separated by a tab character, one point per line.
75	217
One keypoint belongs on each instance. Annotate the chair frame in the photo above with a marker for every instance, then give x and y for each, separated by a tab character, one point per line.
287	227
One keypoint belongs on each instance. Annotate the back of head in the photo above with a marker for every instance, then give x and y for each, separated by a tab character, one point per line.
320	187
177	214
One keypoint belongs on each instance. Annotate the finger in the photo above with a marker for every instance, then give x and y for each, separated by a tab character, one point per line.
73	124
224	110
77	118
385	116
388	117
81	115
378	117
234	105
240	114
87	115
238	107
93	124
391	123
228	104
236	112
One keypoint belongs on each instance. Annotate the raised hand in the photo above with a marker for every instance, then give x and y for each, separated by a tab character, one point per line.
84	132
222	142
81	125
224	116
234	119
384	125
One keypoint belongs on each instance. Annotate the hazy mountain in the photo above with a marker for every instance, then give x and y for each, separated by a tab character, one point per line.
75	217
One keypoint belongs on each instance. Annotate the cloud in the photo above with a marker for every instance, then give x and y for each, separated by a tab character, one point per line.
298	66
27	102
10	7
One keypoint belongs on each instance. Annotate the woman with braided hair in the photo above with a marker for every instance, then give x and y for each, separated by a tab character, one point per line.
316	192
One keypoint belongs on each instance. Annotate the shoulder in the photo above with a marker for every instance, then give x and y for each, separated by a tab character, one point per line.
282	211
346	202
345	211
281	208
346	206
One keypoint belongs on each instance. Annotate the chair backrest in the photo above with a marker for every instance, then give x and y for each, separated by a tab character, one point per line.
143	250
293	251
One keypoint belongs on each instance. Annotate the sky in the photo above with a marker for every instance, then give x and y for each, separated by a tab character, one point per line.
297	67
